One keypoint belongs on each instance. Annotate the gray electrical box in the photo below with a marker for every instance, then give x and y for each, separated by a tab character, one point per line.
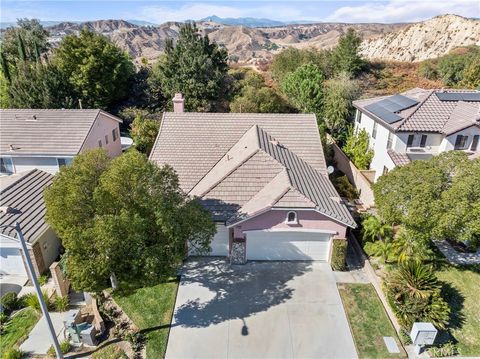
423	333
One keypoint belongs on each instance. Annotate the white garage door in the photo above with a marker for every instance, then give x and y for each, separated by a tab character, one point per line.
219	244
11	262
265	245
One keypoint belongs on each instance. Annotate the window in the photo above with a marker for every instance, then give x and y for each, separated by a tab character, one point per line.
389	140
99	143
474	143
423	141
106	139
385	170
292	217
461	142
6	166
115	134
359	116
410	140
63	161
374	132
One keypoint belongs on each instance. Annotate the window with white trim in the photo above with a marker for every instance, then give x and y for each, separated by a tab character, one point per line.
359	116
461	142
106	139
63	161
6	165
292	218
389	140
99	143
374	132
115	134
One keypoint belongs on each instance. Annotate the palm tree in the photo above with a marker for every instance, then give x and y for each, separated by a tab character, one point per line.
409	248
374	229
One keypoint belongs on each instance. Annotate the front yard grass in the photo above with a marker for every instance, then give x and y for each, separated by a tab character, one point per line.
368	321
463	289
150	307
17	328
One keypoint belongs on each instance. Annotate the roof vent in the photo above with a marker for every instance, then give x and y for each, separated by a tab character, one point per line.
13	148
32	118
7	209
274	142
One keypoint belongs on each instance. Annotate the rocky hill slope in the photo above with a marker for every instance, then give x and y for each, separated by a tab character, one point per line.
424	40
247	45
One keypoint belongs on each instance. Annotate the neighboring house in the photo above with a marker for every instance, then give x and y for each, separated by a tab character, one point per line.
419	124
21	197
263	177
49	139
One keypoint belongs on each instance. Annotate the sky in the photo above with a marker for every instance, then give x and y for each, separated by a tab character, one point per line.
388	11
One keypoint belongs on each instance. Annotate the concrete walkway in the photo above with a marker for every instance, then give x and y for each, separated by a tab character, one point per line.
38	341
455	257
259	310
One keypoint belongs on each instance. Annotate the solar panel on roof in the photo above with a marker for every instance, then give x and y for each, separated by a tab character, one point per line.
383	113
389	105
403	101
459	96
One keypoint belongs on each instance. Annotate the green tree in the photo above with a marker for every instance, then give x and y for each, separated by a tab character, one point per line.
27	41
428	69
471	74
123	218
144	131
39	85
345	55
411	195
4	94
357	148
98	70
193	66
375	230
304	89
290	59
410	248
337	104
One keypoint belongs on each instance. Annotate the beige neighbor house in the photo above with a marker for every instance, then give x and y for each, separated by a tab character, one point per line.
34	144
49	139
22	201
419	124
262	176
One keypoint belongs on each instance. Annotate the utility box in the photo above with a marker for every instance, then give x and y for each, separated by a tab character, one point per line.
423	334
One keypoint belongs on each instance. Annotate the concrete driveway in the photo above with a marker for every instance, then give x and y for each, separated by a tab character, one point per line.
259	310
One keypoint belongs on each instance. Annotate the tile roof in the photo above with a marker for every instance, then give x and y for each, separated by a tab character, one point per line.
23	193
399	159
194	142
257	171
46	132
431	114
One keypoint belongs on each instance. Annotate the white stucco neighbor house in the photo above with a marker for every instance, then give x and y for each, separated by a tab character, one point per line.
419	124
49	139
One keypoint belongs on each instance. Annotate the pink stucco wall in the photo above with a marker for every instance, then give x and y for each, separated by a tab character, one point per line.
275	219
102	127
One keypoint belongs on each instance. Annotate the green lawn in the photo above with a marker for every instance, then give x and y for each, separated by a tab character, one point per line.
110	352
17	328
368	321
150	307
463	296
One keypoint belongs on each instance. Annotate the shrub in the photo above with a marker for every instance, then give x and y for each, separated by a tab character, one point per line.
357	148
3	318
31	300
445	350
136	340
9	301
12	354
345	188
428	70
61	303
339	254
43	279
110	352
405	337
65	347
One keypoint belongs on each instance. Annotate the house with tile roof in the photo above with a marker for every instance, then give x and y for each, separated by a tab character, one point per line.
419	124
21	198
262	176
48	139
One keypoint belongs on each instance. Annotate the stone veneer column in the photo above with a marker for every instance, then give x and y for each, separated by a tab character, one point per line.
238	254
62	284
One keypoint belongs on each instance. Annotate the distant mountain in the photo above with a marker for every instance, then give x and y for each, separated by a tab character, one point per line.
141	22
242	21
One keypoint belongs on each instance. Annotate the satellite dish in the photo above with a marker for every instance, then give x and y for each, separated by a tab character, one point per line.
330	169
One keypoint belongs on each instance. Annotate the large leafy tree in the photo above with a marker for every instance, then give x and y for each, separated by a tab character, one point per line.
144	131
357	148
26	42
193	66
304	88
39	85
99	71
345	56
337	104
123	218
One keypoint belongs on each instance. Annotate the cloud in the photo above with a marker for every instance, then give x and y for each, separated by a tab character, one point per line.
404	10
195	11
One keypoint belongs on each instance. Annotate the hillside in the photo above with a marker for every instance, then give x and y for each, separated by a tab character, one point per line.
255	45
424	40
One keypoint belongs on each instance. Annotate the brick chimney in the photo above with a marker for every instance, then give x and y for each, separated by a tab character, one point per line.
178	103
